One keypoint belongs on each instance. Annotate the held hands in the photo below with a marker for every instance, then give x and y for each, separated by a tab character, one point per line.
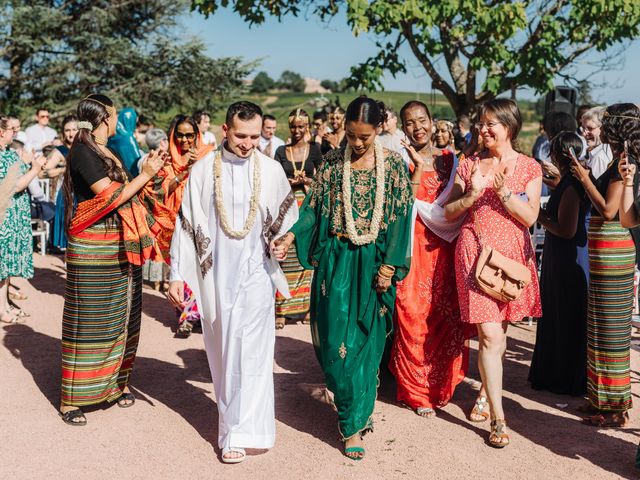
280	246
176	294
627	170
382	283
154	162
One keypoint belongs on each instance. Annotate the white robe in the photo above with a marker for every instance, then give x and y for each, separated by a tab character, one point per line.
234	282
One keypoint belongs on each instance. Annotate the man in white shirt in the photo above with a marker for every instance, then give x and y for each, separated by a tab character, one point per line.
391	136
599	154
203	119
236	202
40	135
269	143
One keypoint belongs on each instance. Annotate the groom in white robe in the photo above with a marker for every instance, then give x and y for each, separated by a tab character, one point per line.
226	260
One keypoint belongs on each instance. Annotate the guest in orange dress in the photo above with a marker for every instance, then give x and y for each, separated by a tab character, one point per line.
429	355
499	191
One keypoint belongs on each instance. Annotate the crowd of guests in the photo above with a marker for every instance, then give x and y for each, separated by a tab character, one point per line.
401	218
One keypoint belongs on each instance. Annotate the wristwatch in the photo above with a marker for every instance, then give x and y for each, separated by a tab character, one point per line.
505	198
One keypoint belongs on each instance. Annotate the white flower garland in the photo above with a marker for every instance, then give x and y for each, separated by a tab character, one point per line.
376	218
253	204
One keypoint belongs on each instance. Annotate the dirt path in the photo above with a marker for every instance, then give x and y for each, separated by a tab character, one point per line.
171	431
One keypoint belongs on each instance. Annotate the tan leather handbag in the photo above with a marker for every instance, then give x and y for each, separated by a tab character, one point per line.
498	276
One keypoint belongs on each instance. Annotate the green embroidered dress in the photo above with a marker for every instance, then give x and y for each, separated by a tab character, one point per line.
16	241
349	320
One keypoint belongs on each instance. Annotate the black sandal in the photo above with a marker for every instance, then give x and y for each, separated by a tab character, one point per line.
126	397
70	417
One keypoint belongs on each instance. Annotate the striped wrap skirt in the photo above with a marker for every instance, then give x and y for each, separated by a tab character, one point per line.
299	281
101	319
611	268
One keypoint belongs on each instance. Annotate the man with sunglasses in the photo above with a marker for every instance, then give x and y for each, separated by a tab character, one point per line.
40	134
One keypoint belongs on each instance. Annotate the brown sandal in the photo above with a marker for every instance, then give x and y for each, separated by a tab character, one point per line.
608	420
280	321
498	438
480	411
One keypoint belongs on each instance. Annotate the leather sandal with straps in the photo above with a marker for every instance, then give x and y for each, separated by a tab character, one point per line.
480	411
498	438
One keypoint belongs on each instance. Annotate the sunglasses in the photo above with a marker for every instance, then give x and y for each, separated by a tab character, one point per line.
43	116
188	136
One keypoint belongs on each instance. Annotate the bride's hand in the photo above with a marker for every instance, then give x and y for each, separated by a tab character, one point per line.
280	247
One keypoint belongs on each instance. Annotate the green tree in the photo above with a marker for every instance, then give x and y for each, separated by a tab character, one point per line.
262	83
472	50
330	85
54	52
291	81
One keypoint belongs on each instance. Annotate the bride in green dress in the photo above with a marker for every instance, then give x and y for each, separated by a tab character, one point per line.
354	231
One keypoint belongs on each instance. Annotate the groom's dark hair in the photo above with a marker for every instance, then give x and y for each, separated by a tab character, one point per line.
243	110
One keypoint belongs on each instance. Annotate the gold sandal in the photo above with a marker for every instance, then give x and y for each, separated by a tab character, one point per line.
498	438
480	411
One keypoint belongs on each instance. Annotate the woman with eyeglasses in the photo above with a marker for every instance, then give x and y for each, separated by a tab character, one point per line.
499	192
185	147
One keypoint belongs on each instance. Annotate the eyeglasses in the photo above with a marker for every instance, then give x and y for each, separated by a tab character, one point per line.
188	136
481	125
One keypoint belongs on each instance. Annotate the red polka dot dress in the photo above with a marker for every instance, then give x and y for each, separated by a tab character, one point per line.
503	232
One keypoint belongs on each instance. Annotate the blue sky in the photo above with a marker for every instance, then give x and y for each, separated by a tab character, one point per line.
316	49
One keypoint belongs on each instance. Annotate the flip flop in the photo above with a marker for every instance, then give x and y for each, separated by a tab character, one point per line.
240	459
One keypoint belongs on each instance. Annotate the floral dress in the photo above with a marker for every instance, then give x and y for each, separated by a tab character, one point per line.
16	240
500	230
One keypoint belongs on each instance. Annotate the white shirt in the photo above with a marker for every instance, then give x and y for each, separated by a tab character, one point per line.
38	136
209	138
392	140
599	159
275	143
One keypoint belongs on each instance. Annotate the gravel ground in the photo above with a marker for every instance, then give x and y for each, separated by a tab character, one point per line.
171	432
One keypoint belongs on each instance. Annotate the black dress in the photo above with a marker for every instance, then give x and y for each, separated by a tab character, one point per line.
311	163
559	362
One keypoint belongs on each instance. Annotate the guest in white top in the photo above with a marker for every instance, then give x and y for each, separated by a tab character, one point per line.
269	143
391	136
599	154
203	119
40	135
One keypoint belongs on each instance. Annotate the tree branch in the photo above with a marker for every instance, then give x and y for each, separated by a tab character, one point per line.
438	82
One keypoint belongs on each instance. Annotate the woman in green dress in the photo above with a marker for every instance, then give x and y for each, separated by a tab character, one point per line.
354	231
16	242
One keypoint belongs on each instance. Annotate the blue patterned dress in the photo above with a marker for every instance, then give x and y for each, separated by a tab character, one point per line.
16	241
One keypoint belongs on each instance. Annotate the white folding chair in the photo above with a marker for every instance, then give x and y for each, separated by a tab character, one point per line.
41	229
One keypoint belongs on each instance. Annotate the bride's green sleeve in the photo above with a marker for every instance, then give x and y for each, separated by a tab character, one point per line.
398	216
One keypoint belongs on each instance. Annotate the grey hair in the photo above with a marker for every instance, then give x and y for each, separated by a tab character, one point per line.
154	137
594	114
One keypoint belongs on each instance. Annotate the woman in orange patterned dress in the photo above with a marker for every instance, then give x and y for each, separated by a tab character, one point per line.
429	355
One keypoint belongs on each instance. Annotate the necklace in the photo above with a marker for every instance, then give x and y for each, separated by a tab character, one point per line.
99	140
376	218
253	203
291	158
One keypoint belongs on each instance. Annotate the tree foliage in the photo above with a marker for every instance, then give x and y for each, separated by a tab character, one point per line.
54	52
472	50
291	81
262	83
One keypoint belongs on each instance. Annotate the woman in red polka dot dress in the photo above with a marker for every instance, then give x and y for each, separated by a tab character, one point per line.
499	190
